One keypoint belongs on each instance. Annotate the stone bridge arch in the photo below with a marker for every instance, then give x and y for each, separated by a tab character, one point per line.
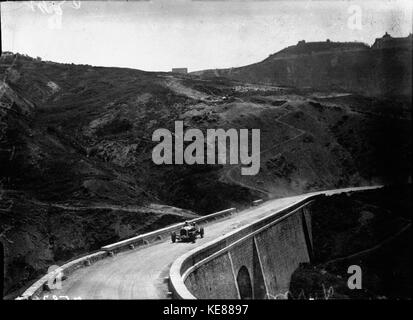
244	283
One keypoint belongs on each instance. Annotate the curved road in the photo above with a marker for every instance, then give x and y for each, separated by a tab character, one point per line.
141	273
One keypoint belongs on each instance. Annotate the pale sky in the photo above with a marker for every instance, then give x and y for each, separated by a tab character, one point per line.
159	35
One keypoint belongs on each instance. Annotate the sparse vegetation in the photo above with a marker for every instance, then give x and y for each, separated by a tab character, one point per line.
89	144
371	229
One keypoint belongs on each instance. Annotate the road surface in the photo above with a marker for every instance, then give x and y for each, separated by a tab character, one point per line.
141	273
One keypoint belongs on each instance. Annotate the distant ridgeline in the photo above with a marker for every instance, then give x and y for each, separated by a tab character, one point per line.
302	47
383	69
388	42
305	48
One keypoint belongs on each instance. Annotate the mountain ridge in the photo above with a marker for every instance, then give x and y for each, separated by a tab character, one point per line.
381	69
75	148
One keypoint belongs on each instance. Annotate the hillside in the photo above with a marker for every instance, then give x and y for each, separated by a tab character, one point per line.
76	168
344	67
370	229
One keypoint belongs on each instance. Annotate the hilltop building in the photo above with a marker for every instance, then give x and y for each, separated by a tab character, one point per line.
328	45
387	41
319	47
180	70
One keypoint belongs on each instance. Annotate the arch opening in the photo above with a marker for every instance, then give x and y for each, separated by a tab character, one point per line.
244	283
2	263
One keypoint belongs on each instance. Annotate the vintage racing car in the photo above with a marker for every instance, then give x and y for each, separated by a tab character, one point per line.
188	232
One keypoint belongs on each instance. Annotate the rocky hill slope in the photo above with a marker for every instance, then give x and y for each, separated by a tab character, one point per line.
369	229
75	149
372	72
